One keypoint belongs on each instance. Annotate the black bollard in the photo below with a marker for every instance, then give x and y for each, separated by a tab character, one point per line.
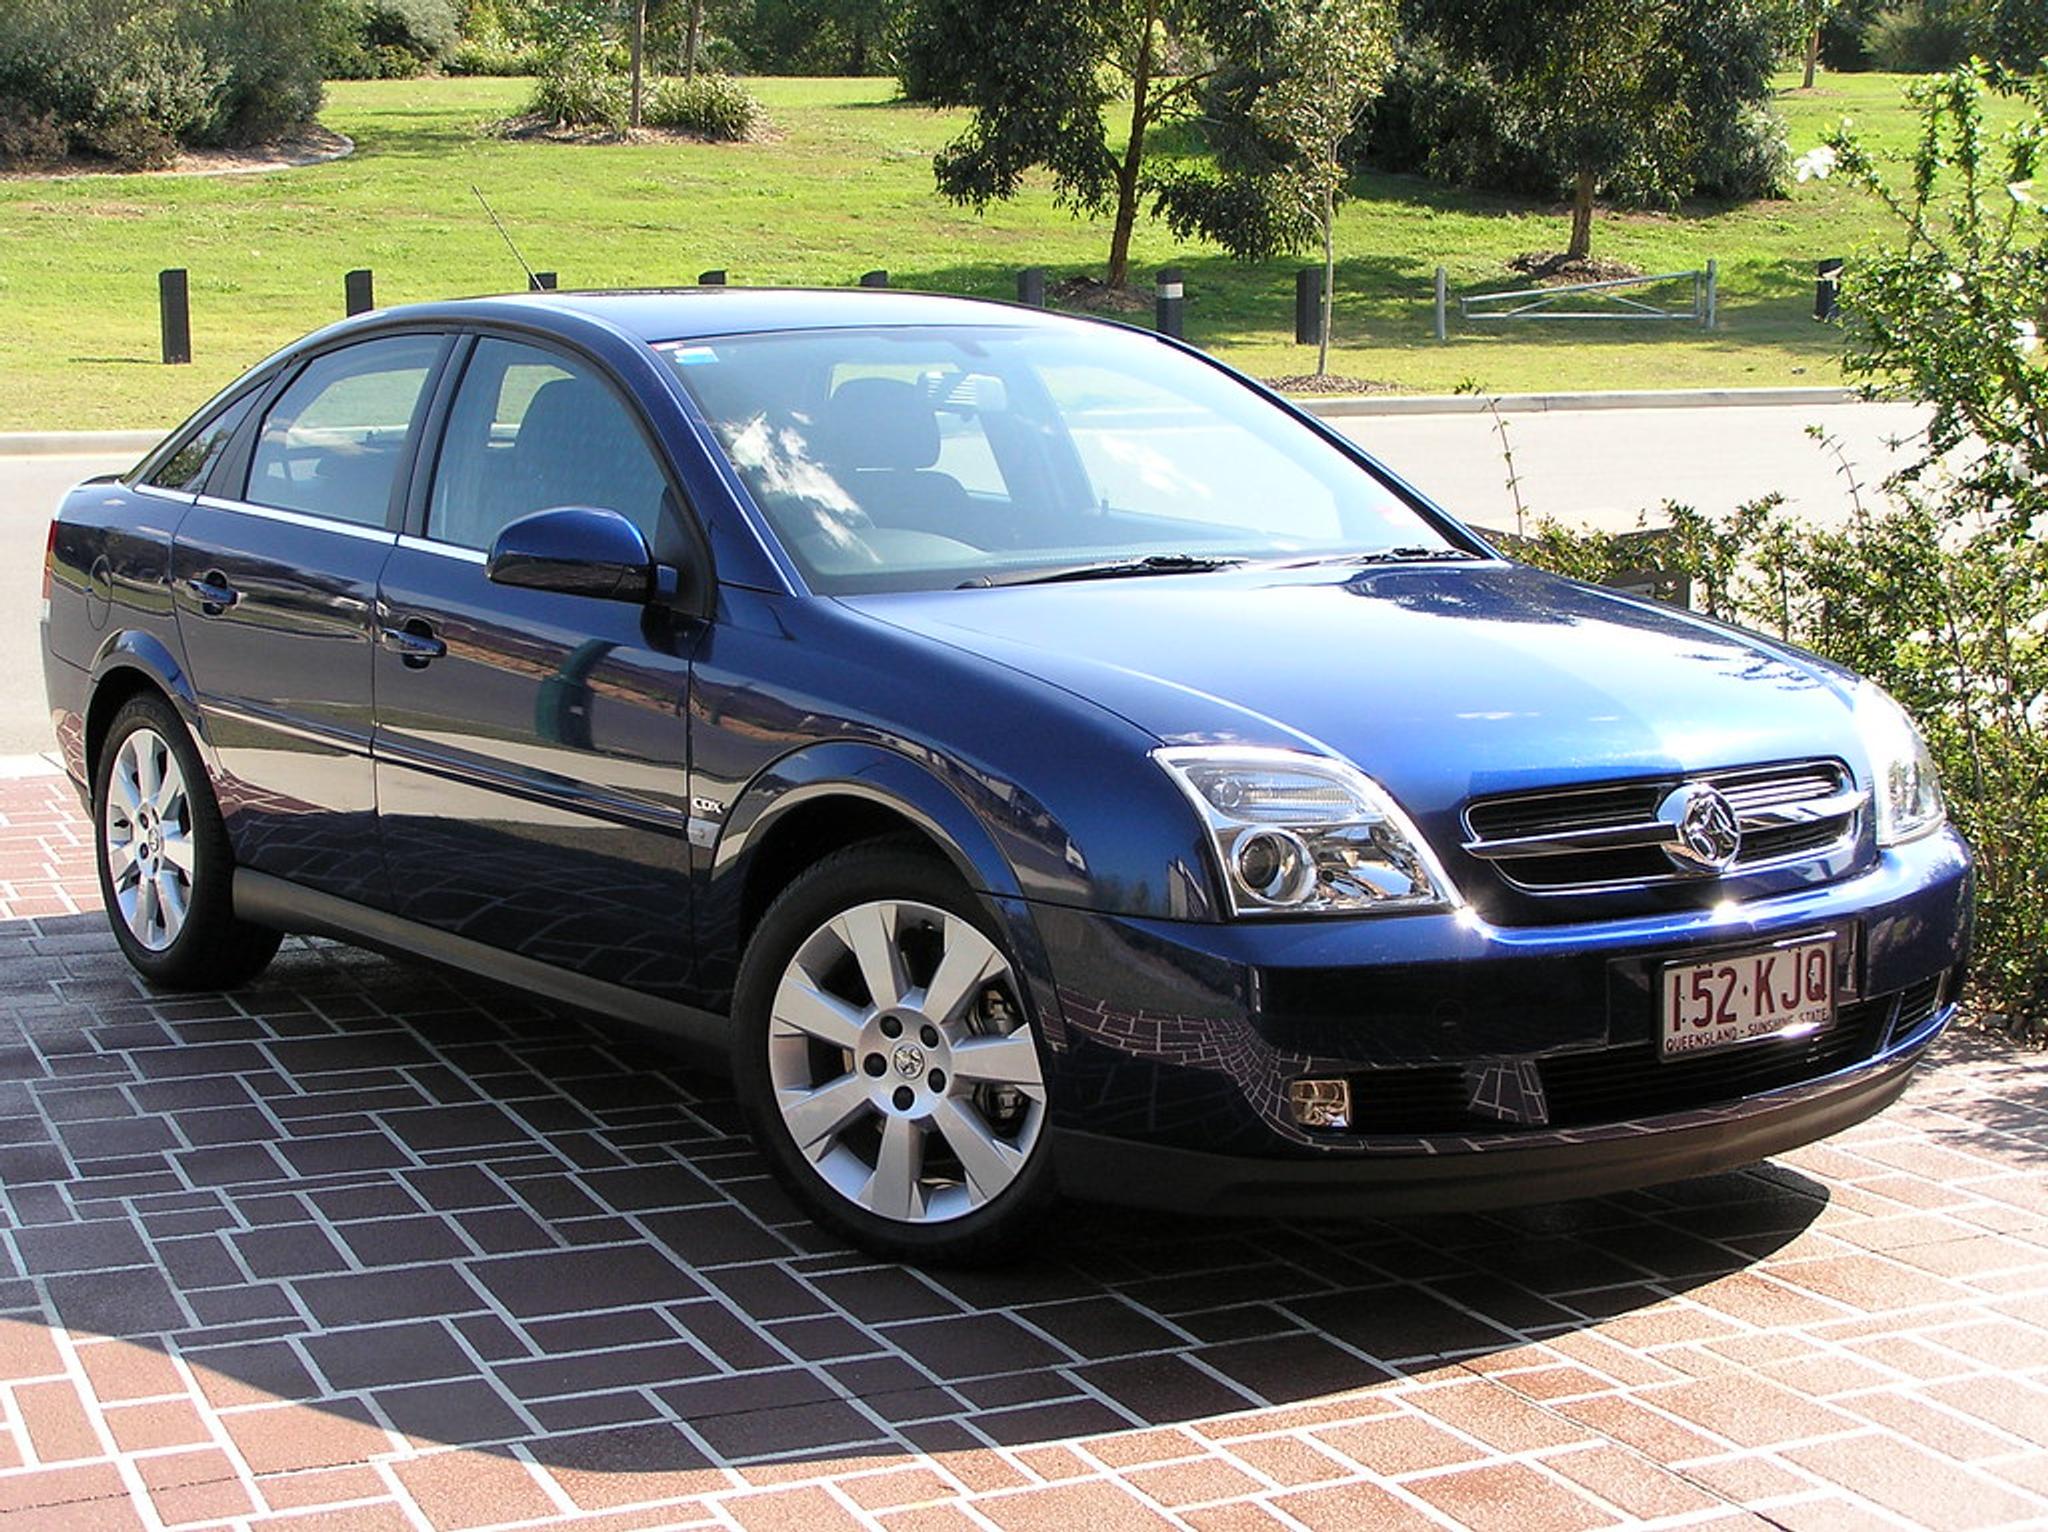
1167	301
874	279
711	278
358	292
1031	286
541	282
174	299
1827	288
1308	306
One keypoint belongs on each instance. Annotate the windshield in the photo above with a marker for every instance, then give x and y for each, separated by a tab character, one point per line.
925	457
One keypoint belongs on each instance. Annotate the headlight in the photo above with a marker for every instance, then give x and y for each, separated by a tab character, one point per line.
1300	834
1902	776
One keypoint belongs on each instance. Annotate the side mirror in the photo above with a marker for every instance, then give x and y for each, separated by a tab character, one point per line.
579	550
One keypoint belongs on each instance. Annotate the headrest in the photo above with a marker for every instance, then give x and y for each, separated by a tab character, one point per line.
878	423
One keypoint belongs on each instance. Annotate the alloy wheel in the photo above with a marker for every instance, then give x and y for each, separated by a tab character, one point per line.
901	1062
148	842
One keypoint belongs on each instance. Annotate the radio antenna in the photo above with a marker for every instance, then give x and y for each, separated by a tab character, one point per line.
531	281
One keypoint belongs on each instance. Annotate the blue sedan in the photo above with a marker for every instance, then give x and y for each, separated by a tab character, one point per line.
1034	758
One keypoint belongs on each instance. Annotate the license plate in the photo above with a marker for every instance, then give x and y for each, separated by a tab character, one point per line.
1744	997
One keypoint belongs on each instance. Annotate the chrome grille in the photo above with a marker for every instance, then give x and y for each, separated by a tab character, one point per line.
1609	835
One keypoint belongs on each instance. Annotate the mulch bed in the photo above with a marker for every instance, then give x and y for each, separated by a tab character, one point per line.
1554	268
308	146
1097	297
1328	383
532	125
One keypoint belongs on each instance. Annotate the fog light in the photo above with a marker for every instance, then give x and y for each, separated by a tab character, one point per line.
1320	1103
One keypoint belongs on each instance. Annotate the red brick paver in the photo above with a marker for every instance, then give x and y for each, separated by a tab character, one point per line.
368	1246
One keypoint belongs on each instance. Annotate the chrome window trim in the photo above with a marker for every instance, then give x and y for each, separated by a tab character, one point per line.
299	519
444	550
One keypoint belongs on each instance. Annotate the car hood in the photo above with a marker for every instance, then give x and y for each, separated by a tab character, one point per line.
1444	681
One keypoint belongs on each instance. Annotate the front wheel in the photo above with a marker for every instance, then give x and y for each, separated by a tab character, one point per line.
887	1061
166	873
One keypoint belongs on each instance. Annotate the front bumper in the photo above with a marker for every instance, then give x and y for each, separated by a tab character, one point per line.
1498	1171
1173	1044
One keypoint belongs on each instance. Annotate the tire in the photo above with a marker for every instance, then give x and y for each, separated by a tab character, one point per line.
915	1129
166	872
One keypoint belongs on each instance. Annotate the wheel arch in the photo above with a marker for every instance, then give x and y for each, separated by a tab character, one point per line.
825	798
129	663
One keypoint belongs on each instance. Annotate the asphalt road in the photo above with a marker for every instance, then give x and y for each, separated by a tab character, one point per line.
1601	467
1606	467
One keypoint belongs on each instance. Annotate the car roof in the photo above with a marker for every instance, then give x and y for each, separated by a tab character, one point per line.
688	313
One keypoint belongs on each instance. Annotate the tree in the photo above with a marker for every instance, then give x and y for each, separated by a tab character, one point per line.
1302	75
637	30
1813	16
1038	78
1596	84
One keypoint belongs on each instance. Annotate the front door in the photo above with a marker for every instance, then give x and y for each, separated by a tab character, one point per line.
532	761
273	579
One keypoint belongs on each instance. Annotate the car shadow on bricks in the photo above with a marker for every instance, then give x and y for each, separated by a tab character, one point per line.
363	1207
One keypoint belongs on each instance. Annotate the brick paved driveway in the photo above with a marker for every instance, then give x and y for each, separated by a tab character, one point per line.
368	1246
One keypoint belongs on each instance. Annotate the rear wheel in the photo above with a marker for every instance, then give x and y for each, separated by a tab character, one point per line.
887	1061
166	874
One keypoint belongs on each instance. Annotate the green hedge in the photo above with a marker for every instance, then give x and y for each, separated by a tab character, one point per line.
131	81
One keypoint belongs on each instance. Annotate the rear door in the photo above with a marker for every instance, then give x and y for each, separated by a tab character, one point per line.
532	760
274	580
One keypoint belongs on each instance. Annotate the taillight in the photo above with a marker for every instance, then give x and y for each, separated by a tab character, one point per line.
49	564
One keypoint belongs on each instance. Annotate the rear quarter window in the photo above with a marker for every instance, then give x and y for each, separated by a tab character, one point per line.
185	470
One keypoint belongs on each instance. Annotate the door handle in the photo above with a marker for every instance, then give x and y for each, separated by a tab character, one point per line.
414	643
213	593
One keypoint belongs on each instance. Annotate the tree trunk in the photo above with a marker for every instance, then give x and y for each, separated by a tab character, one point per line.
1329	276
693	39
639	48
1134	158
857	52
1812	54
1582	217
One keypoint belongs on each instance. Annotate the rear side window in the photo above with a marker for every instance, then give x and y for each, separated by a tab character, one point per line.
186	469
333	442
531	430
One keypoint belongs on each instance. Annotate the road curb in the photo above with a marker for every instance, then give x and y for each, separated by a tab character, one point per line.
45	764
77	443
113	443
1525	404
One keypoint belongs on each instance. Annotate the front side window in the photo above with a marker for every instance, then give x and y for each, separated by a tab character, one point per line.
921	457
334	441
532	430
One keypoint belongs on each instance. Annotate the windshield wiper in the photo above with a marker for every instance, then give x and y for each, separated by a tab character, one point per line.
1115	569
1407	554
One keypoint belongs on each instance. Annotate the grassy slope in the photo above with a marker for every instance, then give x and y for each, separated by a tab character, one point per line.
847	187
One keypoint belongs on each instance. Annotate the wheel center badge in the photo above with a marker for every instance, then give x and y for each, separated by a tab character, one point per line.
1706	836
909	1060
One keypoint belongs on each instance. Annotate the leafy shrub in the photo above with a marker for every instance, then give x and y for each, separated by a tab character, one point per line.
1941	597
268	52
711	105
29	138
1918	38
119	79
578	87
493	54
387	39
1845	34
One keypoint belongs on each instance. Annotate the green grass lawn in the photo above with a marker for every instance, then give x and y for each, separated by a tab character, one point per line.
846	187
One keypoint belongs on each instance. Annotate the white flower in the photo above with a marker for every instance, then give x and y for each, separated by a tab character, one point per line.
1952	280
2018	192
1815	164
2026	336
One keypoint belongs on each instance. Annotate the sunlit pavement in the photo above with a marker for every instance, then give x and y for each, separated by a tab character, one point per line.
368	1246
